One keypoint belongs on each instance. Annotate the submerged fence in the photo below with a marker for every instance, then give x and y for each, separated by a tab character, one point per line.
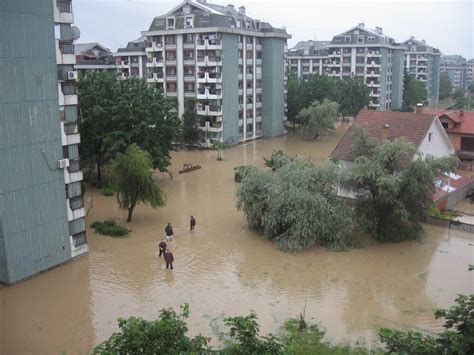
446	223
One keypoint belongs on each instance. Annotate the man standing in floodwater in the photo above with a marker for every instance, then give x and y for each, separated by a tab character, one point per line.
169	258
193	224
169	232
162	247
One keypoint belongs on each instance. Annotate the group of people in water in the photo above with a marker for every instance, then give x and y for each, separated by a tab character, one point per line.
164	250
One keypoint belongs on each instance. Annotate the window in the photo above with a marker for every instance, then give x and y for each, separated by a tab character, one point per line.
445	125
248	25
347	39
257	25
413	48
370	39
189	38
360	39
430	136
170	23
239	23
189	22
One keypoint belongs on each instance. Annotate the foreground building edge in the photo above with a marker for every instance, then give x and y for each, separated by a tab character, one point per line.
41	205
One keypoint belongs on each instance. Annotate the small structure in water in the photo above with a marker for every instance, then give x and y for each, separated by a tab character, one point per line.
189	167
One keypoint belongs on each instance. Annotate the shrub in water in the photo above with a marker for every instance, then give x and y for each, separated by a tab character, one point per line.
107	191
109	227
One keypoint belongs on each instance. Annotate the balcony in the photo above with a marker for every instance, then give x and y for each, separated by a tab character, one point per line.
155	46
209	110
78	244
171	61
249	91
123	64
375	94
214	127
154	62
210	61
189	61
374	64
258	61
373	74
65	53
72	136
259	104
249	76
259	90
170	46
209	94
373	84
67	94
207	77
208	44
334	54
75	208
258	47
171	77
249	61
374	54
73	173
63	12
155	77
173	93
374	104
189	45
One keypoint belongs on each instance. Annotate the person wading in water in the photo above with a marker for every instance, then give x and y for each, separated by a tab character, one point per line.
169	232
162	247
169	258
192	224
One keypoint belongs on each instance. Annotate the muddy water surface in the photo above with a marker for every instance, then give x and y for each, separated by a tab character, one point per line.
225	269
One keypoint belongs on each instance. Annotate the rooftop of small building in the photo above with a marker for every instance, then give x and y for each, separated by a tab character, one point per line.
420	46
305	48
137	45
463	120
379	37
81	48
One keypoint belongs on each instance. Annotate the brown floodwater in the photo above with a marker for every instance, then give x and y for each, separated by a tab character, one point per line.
225	269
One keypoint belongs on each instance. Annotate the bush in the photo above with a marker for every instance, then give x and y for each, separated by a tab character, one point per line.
277	160
110	227
242	171
107	191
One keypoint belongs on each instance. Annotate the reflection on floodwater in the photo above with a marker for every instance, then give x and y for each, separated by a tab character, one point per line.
225	269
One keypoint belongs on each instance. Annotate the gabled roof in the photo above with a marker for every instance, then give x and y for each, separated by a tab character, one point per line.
137	45
80	48
413	126
464	122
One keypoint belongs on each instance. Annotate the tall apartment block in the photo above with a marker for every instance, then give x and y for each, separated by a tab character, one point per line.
93	57
423	62
368	55
231	64
456	67
41	207
131	60
469	72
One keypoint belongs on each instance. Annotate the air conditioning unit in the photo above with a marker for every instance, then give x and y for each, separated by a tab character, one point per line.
63	163
72	75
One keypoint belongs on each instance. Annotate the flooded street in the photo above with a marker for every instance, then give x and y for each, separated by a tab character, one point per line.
225	269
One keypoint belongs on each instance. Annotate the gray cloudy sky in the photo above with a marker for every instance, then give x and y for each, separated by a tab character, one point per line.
446	25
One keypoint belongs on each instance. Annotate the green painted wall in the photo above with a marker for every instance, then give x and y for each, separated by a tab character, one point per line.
230	83
397	78
273	86
34	232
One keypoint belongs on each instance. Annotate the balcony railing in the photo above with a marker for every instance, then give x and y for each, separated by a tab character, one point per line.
74	166
69	89
66	48
64	6
70	128
76	203
79	239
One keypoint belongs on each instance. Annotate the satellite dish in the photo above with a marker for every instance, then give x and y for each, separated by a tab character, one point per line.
76	33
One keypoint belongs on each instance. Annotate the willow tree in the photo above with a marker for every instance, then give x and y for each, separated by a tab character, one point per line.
132	176
318	118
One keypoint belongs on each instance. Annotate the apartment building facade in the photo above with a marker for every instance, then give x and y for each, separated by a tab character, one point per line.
423	62
131	60
366	54
456	67
93	57
231	64
41	208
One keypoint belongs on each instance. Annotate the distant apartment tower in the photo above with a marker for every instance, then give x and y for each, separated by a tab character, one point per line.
131	60
93	57
41	206
469	72
231	64
423	62
456	67
368	55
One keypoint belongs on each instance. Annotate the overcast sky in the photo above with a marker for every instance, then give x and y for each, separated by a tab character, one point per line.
446	25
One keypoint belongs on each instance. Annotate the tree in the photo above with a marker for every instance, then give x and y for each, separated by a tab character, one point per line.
143	118
393	191
277	160
219	146
191	134
445	85
293	97
296	206
354	96
318	118
97	105
166	335
132	176
470	88
464	103
414	93
458	93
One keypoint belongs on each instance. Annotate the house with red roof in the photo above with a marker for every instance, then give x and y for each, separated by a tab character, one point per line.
423	130
459	126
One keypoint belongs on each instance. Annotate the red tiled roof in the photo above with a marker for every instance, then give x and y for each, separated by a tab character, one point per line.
411	125
453	183
464	122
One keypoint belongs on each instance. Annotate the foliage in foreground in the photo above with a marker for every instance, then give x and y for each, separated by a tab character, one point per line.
132	177
456	338
110	227
107	191
277	160
296	206
393	191
241	171
318	118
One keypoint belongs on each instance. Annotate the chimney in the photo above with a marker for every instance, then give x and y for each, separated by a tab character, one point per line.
230	8
461	112
386	132
419	108
242	10
361	25
423	41
412	38
378	30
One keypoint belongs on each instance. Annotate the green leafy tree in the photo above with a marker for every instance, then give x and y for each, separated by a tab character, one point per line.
457	337
97	106
319	87
470	88
318	118
464	103
354	96
296	206
219	147
245	339
191	134
132	176
459	93
143	118
445	85
277	160
414	93
393	191
167	335
293	97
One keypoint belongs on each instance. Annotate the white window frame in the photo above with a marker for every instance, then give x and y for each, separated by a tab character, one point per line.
360	37
347	37
168	27
191	18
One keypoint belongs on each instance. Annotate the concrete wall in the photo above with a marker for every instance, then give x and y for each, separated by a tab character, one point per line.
230	85
34	228
273	86
397	78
